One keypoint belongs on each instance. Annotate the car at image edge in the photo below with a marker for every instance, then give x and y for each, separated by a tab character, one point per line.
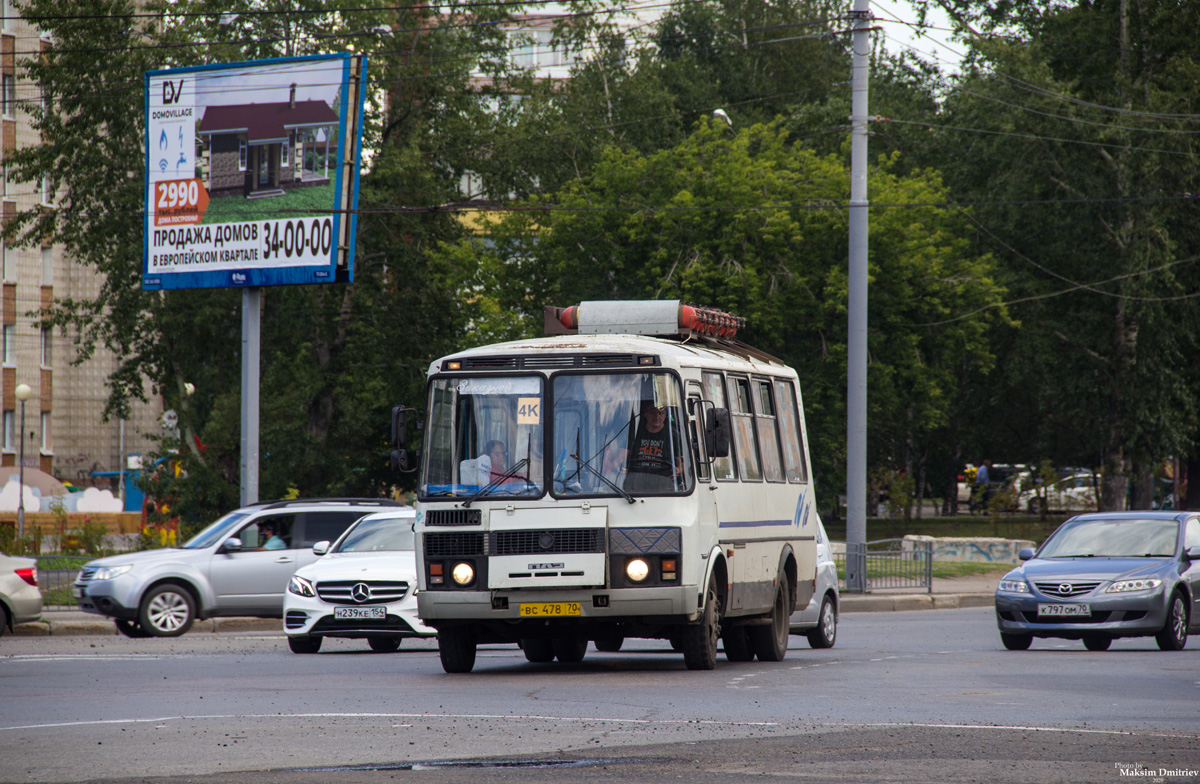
1104	576
362	586
20	598
231	568
818	621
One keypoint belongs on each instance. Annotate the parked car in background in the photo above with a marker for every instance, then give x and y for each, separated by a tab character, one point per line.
1100	577
361	587
818	621
1072	493
238	565
20	598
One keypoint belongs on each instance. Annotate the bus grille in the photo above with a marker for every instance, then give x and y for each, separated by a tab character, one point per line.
453	545
564	540
453	517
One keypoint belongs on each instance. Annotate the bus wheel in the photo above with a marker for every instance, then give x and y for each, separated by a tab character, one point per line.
538	650
570	650
737	644
456	647
770	642
700	639
610	644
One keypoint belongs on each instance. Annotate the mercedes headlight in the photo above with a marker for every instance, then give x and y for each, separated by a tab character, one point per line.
301	587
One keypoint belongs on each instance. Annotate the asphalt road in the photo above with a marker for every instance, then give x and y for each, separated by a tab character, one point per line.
904	696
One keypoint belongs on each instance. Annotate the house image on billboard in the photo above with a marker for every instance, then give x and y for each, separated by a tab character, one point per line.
262	149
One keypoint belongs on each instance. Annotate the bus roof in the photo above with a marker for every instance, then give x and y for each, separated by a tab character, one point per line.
560	352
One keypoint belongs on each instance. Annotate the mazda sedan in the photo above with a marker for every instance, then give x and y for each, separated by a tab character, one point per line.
1104	576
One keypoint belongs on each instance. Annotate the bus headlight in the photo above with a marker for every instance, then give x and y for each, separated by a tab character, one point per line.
463	573
637	570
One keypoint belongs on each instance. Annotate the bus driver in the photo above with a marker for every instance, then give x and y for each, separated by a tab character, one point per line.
656	458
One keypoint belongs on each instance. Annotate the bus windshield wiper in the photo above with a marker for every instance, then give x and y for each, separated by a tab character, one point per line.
509	474
619	490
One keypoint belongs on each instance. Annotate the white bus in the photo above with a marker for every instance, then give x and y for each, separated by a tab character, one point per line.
639	474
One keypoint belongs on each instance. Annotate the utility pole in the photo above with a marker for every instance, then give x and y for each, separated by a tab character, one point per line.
856	368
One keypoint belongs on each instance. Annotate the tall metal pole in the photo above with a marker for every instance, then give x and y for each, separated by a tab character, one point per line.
251	326
21	479
856	371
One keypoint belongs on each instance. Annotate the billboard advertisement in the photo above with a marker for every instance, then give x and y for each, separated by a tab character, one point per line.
252	173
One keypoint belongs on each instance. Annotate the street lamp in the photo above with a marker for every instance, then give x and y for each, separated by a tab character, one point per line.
23	393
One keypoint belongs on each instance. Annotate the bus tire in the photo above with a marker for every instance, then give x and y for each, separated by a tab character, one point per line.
609	644
538	650
700	639
737	644
456	648
569	650
770	642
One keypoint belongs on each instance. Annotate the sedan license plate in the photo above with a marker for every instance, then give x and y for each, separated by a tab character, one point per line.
549	609
360	613
1074	610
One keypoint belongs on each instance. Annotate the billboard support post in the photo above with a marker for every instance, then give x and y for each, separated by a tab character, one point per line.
251	316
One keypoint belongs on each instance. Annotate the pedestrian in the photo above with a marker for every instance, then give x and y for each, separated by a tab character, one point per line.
983	486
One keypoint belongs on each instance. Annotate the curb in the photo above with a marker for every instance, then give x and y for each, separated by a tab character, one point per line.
106	628
924	601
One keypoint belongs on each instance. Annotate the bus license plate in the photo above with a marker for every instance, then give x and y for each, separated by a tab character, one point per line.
360	613
1053	610
549	609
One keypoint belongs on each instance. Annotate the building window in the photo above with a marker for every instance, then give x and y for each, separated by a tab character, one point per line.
8	260
47	346
241	155
10	418
47	444
47	190
284	151
9	350
47	266
4	180
8	94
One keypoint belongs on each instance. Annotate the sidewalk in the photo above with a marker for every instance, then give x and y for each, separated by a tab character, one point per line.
948	594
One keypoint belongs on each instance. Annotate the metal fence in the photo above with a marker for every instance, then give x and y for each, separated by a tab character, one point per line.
56	573
894	563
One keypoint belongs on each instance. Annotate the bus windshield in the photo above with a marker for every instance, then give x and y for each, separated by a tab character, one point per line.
619	434
485	437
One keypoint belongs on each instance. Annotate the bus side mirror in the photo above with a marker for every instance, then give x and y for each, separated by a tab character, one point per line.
401	459
716	432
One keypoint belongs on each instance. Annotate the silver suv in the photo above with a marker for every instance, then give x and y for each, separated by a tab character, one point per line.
239	565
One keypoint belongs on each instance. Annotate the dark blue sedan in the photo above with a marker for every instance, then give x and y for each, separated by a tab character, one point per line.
1103	576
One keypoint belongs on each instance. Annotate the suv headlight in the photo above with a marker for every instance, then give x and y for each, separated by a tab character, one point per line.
1125	586
301	587
1014	586
109	572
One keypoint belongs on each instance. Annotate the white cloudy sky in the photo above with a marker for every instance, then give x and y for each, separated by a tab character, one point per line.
932	44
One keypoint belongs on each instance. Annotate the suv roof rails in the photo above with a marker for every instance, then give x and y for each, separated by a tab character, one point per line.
284	503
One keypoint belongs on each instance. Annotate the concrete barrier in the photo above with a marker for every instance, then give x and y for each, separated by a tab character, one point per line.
972	549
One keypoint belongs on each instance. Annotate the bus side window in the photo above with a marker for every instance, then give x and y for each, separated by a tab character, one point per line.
768	437
789	430
714	390
744	437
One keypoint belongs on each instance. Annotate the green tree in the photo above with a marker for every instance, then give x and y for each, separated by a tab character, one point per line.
755	224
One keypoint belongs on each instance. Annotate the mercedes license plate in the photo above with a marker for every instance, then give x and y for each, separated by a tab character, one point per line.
360	613
1053	610
549	609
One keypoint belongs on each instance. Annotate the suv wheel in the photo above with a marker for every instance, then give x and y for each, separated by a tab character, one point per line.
167	611
304	644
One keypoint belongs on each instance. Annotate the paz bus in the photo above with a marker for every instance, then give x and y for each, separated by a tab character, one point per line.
637	473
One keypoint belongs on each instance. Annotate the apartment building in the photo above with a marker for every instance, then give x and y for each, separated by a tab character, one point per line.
63	434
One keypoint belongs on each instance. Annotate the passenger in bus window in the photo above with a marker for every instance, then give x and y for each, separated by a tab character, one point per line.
656	456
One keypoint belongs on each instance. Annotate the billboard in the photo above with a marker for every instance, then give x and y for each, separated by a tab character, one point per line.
252	173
